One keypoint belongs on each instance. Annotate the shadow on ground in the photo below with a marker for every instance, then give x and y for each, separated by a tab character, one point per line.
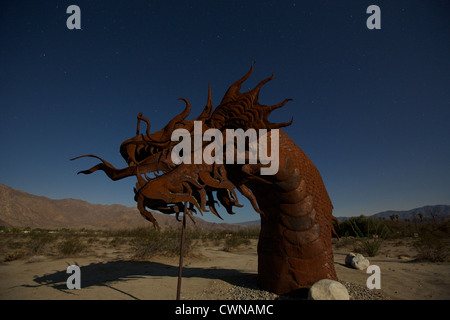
105	273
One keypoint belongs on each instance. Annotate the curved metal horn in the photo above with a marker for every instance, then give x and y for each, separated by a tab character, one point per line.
233	91
139	118
168	129
206	113
255	92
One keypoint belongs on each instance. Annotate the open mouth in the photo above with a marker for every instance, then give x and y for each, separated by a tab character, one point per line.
151	162
145	151
141	153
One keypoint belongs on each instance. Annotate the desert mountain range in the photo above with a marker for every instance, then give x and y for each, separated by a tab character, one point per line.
428	212
21	209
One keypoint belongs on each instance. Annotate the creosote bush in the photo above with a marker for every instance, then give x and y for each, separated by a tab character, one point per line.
233	242
430	248
147	242
73	245
39	241
430	235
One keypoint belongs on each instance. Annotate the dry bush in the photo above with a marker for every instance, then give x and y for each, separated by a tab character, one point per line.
431	248
149	243
233	242
345	241
14	255
38	242
70	246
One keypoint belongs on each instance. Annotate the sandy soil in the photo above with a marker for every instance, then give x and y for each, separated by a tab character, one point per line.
209	274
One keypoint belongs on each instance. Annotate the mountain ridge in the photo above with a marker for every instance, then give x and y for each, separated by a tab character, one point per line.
21	209
439	210
427	212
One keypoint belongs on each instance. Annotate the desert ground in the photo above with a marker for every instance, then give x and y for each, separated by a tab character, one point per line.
210	272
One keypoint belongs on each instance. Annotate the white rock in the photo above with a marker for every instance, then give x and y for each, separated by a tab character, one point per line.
356	261
327	289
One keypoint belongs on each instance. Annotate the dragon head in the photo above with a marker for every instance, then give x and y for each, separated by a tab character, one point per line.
171	186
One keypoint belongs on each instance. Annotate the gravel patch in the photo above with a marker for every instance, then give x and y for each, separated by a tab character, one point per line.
358	292
246	289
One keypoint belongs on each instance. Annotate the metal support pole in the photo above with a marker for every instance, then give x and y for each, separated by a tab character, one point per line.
180	267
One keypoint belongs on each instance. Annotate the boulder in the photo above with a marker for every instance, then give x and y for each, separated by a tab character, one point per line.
327	289
356	261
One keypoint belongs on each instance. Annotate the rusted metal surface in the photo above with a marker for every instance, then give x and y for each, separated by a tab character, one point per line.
180	265
294	248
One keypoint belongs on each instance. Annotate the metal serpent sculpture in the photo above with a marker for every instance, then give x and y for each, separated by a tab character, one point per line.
294	248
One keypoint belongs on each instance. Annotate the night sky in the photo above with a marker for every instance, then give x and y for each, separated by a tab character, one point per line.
371	108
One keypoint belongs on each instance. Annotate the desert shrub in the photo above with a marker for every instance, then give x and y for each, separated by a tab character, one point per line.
71	246
117	241
344	241
149	242
234	242
371	246
133	233
92	240
248	233
431	247
38	241
370	242
363	226
217	234
14	255
15	244
15	230
195	233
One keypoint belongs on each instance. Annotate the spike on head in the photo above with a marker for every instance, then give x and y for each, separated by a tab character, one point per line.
206	114
243	110
139	118
233	91
255	92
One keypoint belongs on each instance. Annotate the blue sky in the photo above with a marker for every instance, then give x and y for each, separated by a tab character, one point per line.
371	107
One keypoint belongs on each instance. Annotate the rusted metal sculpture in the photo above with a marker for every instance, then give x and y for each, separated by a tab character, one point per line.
294	249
